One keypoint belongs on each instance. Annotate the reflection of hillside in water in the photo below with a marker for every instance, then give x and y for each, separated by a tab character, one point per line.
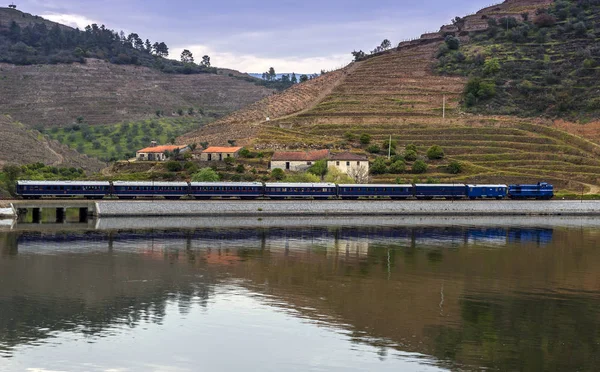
443	291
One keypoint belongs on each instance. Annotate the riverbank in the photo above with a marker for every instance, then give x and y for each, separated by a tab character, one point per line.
289	208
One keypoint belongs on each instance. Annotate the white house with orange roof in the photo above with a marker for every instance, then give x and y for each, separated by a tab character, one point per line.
159	153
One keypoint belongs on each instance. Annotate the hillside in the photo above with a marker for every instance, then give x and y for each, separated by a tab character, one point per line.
24	146
397	93
105	93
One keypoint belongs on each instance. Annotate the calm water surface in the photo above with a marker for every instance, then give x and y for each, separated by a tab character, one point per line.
345	295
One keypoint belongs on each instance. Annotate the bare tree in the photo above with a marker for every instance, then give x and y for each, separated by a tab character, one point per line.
360	174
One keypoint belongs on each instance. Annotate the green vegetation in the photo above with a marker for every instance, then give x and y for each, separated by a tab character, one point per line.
419	167
455	167
435	152
38	44
278	174
546	64
121	141
319	168
206	175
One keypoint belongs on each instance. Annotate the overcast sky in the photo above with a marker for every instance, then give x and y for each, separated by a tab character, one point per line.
251	36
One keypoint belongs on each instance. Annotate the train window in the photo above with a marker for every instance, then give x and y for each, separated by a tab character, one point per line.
62	188
284	189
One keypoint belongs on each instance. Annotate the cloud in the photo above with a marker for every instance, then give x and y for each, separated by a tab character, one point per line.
73	20
246	62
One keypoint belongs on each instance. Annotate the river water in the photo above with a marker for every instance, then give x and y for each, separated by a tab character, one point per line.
368	294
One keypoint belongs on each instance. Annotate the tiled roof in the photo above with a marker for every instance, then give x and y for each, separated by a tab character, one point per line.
300	156
222	150
161	149
348	156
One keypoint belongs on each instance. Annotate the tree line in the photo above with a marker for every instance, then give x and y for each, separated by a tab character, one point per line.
38	44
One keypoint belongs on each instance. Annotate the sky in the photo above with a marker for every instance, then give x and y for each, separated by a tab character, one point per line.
251	36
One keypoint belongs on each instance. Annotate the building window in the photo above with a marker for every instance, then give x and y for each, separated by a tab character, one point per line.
347	163
309	163
337	163
358	163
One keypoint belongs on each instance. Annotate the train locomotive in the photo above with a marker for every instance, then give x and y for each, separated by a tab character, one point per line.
254	190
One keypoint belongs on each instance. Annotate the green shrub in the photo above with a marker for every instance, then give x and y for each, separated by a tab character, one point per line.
478	89
240	168
373	149
411	147
245	153
435	152
206	175
229	161
378	166
455	167
419	167
410	155
173	166
319	168
491	66
349	136
365	139
452	42
277	174
397	167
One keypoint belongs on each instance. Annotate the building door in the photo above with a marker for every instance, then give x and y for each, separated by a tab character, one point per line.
220	157
209	157
287	165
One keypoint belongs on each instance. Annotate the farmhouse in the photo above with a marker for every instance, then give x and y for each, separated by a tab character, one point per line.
159	153
219	153
349	163
297	161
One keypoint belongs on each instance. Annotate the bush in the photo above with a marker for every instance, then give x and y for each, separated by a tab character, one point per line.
338	177
245	153
435	152
544	20
455	167
373	149
491	66
173	166
229	161
397	167
206	175
350	136
302	177
411	147
319	168
240	168
378	166
452	42
410	155
419	167
365	139
478	89
278	174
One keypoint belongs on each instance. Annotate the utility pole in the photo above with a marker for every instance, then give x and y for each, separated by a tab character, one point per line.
444	108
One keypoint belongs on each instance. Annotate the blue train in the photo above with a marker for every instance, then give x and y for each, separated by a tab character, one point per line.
253	190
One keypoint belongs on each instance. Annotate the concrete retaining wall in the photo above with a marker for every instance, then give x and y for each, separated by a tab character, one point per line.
291	208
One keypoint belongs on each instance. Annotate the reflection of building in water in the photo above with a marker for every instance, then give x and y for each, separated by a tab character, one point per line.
349	248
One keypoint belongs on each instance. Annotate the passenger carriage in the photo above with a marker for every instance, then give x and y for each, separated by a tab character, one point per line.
487	191
168	190
447	191
300	190
542	190
376	191
207	190
64	189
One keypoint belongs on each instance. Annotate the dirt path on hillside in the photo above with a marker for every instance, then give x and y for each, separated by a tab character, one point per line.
324	93
61	159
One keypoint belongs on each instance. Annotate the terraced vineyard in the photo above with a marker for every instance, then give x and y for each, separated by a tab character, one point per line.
397	94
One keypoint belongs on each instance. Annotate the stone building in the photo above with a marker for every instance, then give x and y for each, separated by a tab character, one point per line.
219	153
298	161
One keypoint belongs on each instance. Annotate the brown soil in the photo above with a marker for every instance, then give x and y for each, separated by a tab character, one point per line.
104	93
24	146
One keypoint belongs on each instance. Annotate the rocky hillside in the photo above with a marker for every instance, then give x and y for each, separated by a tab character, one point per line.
398	93
24	146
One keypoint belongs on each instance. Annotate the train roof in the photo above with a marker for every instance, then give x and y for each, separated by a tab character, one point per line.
375	185
300	184
63	183
146	184
440	185
227	184
487	185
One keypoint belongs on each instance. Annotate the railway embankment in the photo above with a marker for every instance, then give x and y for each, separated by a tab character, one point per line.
292	208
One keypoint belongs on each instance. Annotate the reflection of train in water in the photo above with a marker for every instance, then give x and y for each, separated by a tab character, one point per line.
253	190
356	241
